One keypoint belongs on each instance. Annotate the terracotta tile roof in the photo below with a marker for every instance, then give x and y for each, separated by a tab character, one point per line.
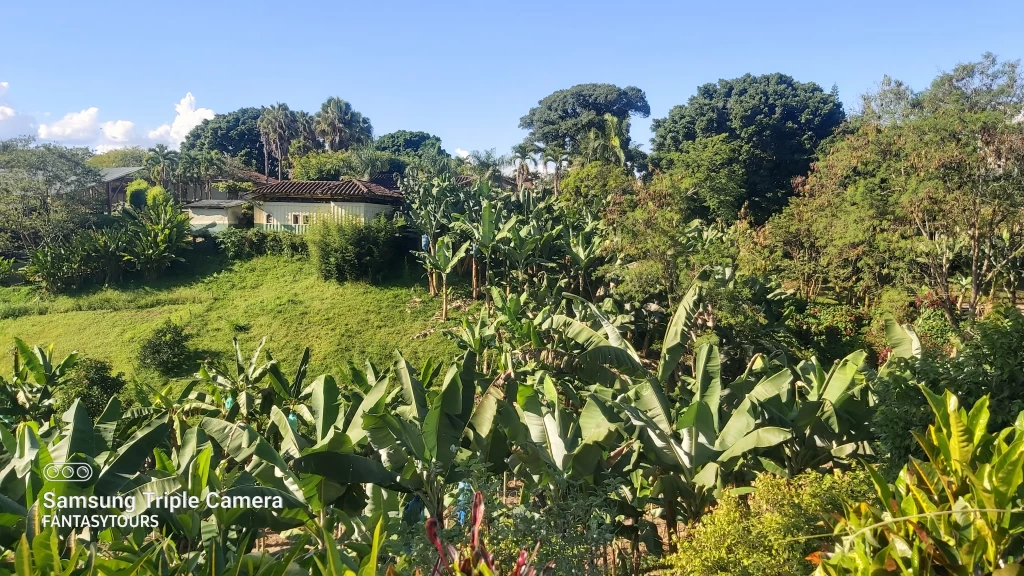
350	189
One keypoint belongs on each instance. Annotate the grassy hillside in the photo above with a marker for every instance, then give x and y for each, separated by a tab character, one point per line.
277	297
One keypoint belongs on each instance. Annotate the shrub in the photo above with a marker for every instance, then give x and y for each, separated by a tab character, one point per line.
156	196
991	363
6	269
135	193
349	250
833	330
166	350
750	535
92	382
242	244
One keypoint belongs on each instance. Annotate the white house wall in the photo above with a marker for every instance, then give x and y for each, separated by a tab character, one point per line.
282	213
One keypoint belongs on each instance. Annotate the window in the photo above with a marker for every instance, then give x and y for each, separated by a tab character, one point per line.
305	218
269	219
295	218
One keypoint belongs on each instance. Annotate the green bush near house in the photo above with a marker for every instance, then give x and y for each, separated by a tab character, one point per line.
245	243
764	532
350	250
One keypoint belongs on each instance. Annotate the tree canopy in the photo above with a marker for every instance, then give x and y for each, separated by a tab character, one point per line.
565	119
235	134
777	121
401	142
120	158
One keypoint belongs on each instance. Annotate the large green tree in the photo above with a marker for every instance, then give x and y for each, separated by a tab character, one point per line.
340	126
236	135
403	142
576	118
925	190
777	121
120	158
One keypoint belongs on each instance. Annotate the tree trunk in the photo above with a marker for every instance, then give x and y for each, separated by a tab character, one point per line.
444	298
475	285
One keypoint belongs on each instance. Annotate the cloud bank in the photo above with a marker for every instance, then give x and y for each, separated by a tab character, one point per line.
88	128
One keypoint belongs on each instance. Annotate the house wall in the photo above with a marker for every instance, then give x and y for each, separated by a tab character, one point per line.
282	213
210	220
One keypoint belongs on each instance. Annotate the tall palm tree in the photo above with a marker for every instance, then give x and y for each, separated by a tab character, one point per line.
278	125
188	171
340	127
559	157
486	166
608	143
305	134
162	163
522	157
211	165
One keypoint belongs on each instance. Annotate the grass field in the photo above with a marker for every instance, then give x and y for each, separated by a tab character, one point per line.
271	296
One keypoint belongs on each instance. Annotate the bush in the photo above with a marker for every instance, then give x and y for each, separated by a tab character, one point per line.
6	269
832	330
135	193
92	382
166	350
156	196
349	250
749	535
242	244
990	363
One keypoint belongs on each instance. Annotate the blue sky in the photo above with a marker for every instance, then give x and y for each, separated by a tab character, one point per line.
112	73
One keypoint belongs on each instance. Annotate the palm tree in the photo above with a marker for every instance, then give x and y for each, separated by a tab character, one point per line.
162	163
188	172
608	142
559	157
276	125
522	157
305	139
211	165
486	166
339	126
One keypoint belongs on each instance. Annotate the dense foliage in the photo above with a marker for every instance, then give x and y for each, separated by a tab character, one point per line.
775	122
344	250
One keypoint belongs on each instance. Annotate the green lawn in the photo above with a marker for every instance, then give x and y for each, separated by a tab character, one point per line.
276	297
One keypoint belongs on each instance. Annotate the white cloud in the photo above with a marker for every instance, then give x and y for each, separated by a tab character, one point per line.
120	131
3	88
82	125
188	117
6	112
461	153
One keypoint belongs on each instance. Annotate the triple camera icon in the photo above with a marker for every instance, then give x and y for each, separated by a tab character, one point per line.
67	472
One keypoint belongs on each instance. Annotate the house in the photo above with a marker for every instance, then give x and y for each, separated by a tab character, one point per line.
211	216
293	205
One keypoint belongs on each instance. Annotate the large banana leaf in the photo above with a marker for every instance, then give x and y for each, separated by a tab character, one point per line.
677	334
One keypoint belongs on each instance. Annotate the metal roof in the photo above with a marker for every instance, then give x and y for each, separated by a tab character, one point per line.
348	189
215	204
111	174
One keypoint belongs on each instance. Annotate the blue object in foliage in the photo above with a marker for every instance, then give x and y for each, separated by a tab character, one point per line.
425	242
229	402
464	501
293	421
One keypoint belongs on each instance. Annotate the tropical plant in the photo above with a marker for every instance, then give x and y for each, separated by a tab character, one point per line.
162	163
339	126
442	261
957	512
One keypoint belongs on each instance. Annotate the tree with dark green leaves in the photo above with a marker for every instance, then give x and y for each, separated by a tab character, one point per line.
236	135
571	119
777	122
404	142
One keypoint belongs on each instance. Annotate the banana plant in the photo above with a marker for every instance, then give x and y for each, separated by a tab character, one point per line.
28	396
486	234
427	432
442	261
236	386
